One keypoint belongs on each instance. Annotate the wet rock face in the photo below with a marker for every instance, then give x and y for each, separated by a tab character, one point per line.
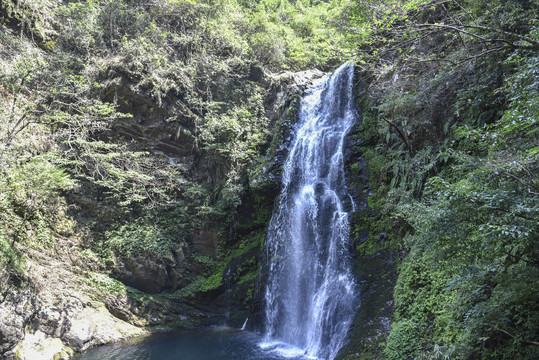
284	88
143	272
50	320
282	105
206	242
78	324
375	274
74	324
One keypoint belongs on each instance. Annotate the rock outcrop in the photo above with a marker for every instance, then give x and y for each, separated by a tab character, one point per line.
153	274
54	311
18	307
67	303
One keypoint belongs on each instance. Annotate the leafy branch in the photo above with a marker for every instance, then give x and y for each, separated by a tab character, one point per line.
532	44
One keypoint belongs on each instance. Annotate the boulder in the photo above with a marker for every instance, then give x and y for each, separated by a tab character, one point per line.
39	346
152	273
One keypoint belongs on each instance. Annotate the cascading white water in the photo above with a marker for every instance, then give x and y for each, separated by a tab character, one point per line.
310	294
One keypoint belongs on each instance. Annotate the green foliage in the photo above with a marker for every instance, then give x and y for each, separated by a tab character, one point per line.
155	232
84	34
465	289
237	133
211	283
295	34
139	238
474	241
105	283
31	210
450	137
244	271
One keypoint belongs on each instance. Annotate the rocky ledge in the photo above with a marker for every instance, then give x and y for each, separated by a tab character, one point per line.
53	311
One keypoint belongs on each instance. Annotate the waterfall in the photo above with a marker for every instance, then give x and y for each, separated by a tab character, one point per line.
310	294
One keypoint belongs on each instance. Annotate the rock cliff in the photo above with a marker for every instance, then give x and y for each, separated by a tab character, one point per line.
69	301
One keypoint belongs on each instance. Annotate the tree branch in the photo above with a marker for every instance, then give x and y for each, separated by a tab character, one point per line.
16	129
501	31
401	134
534	44
513	336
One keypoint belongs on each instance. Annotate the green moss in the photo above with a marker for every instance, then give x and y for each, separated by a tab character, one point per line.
250	276
105	283
213	282
241	273
35	18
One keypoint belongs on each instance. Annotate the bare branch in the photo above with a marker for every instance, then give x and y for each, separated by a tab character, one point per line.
464	9
17	128
505	32
534	45
401	134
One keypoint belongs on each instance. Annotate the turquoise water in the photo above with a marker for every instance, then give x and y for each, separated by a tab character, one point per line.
200	344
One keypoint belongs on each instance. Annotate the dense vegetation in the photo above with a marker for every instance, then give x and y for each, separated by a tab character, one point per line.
450	100
65	106
450	136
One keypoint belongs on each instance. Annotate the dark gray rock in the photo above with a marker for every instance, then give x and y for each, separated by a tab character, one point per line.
153	273
19	304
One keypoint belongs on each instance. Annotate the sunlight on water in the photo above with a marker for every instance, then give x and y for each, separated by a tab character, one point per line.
201	344
285	350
